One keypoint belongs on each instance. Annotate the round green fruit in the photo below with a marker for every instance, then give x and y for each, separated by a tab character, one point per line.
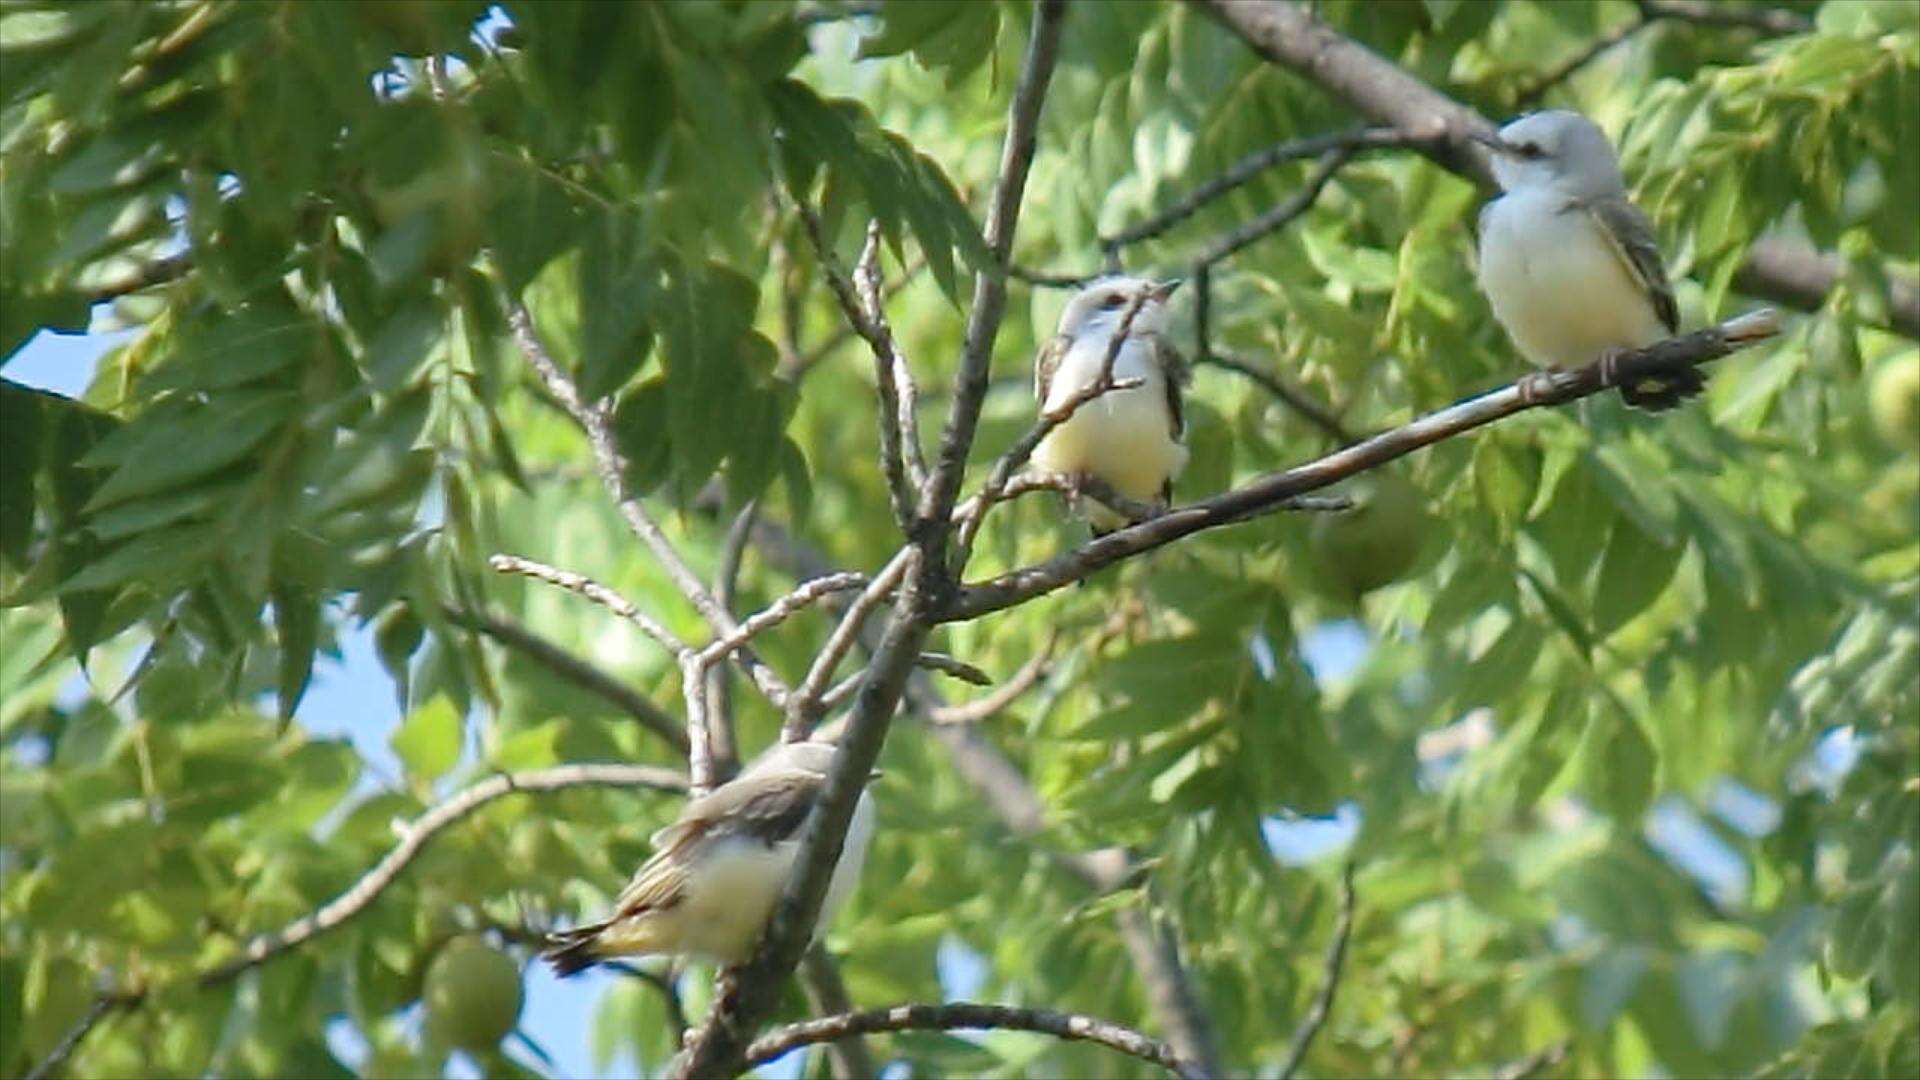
473	994
1894	398
1378	540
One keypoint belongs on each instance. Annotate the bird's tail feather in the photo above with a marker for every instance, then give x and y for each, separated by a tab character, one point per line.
1658	393
573	951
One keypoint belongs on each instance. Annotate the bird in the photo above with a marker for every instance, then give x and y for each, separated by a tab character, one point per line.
1132	439
718	870
1568	263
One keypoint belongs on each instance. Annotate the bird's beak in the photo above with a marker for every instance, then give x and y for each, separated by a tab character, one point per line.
875	775
1492	141
1165	289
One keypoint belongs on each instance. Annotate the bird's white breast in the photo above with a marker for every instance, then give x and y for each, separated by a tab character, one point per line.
731	893
1125	437
1556	284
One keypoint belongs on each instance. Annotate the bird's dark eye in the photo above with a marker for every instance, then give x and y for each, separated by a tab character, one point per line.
1111	301
1530	150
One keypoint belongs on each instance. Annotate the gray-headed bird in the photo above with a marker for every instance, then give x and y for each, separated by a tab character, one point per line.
1569	265
717	871
1133	439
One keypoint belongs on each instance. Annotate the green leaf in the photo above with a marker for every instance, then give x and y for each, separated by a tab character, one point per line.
172	453
1633	573
252	343
640	427
428	741
21	430
617	284
707	315
296	622
1627	765
161	557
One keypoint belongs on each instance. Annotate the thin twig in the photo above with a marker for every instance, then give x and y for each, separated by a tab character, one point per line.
1269	492
1766	20
906	392
596	592
726	583
1587	55
990	703
596	420
827	994
1251	166
846	333
808	702
879	338
1315	413
953	666
413	838
1331	969
807	592
662	983
1535	1063
70	1041
961	1015
576	671
1280	214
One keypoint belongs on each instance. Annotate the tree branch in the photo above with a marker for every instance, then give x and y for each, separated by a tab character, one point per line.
1537	390
967	1015
1331	968
989	290
745	994
1280	214
1773	21
906	392
1290	35
1587	55
1793	273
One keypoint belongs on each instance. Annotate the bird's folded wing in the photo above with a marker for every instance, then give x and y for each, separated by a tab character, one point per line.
1045	363
1630	237
768	807
1174	367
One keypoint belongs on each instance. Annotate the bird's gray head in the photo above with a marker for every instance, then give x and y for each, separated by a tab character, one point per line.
814	756
1099	307
1558	148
